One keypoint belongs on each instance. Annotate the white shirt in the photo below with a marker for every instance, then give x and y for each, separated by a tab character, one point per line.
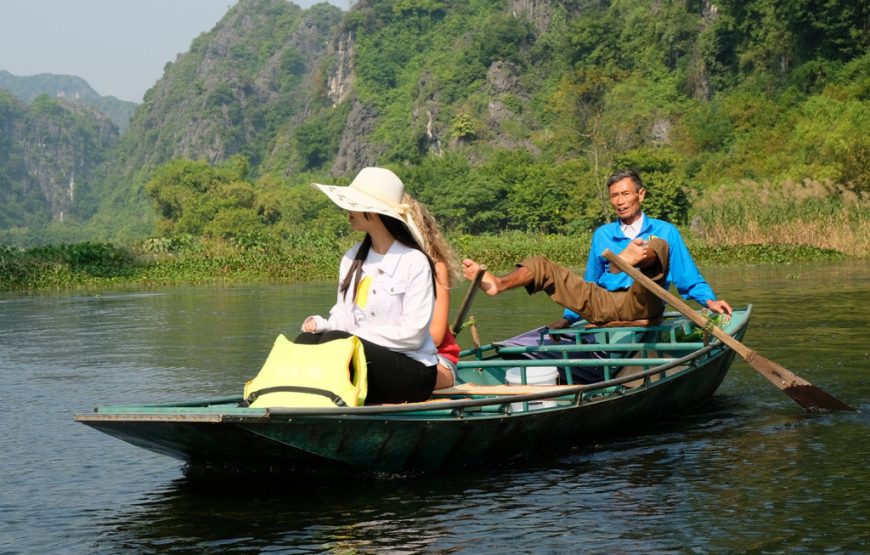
397	304
632	231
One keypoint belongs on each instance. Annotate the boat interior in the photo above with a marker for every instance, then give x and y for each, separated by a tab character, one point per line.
624	357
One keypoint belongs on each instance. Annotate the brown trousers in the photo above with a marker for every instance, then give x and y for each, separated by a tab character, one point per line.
594	303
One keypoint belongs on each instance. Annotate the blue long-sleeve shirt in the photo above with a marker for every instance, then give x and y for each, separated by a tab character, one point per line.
682	270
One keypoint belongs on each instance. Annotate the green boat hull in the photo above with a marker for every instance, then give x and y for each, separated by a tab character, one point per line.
453	432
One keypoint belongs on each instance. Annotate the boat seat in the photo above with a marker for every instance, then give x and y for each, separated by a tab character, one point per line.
628	371
480	389
643	322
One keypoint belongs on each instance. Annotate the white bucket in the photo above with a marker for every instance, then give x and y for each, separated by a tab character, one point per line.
535	375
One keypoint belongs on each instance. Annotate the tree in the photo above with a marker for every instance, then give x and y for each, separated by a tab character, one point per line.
195	198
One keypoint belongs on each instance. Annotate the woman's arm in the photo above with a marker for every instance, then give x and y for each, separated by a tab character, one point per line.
340	317
440	314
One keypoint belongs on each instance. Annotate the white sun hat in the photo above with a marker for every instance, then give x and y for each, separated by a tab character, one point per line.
375	190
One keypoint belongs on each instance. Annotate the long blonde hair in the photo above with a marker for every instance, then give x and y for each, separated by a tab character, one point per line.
438	249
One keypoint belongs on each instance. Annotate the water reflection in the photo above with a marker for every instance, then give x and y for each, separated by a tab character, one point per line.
475	511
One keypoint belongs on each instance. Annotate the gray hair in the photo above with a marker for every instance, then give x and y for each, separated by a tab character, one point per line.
630	174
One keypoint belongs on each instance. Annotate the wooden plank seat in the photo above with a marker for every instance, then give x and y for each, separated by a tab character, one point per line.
475	389
645	323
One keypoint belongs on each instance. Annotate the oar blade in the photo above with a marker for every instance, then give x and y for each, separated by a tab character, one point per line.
800	390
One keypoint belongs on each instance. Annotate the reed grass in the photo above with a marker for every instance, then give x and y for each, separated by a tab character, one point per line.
813	213
755	224
503	251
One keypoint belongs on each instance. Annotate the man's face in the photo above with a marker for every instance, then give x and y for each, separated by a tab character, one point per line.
626	199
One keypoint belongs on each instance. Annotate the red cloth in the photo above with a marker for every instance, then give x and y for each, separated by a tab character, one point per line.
448	348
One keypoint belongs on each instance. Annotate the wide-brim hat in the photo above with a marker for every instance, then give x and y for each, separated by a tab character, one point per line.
375	190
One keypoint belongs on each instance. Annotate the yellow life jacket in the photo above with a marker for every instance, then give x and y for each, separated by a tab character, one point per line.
296	375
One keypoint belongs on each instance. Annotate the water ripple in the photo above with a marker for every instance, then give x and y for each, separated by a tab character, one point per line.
747	472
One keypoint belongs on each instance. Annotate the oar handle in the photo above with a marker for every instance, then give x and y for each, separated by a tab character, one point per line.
681	306
466	302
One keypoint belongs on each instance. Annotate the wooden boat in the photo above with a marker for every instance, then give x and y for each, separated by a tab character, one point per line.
650	373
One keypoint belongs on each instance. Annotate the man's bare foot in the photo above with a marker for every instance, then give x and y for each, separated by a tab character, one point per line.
488	284
637	254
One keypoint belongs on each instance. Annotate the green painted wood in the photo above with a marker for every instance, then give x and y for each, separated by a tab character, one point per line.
460	431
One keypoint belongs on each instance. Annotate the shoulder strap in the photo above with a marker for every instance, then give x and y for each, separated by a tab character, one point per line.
252	396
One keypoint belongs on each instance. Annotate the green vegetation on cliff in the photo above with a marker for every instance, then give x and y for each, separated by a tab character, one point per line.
504	116
74	89
48	149
747	119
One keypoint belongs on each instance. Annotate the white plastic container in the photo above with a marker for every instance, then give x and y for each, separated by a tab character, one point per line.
535	375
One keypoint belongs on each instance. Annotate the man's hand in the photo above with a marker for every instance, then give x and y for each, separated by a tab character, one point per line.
488	283
559	324
719	306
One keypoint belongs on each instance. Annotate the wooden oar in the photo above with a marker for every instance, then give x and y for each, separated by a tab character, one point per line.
475	337
801	391
466	302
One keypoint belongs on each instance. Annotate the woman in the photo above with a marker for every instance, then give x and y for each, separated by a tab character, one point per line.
446	268
386	291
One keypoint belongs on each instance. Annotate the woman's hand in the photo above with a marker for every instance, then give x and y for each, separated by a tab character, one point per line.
309	325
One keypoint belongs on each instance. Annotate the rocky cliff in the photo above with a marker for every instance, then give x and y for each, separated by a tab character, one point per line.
70	88
253	74
46	149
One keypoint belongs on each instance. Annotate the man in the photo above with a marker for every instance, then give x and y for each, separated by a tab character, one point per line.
627	192
606	294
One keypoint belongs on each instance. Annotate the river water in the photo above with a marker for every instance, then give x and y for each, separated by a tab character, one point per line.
750	472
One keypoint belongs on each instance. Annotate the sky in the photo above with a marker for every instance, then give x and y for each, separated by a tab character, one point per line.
119	47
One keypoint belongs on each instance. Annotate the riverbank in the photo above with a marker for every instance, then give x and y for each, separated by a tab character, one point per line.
309	257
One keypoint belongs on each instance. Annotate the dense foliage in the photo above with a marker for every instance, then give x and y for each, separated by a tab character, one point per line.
303	256
506	116
522	132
